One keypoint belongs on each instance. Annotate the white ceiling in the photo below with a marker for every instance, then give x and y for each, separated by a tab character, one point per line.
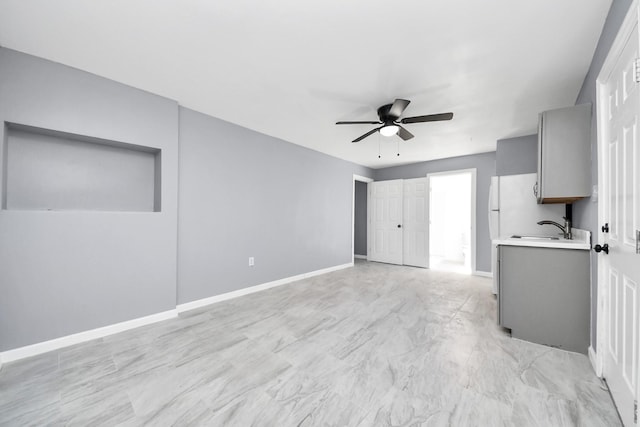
291	68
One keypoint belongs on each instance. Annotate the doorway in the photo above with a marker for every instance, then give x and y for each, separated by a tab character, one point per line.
359	217
451	221
360	221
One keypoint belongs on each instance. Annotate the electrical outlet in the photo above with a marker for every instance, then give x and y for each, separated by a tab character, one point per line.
251	261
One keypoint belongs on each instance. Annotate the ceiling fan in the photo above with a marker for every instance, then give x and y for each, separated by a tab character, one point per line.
389	115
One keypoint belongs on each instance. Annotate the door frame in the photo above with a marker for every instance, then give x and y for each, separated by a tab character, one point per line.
626	30
359	178
473	219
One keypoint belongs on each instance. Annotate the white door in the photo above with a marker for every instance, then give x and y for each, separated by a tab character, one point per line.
385	221
620	187
415	224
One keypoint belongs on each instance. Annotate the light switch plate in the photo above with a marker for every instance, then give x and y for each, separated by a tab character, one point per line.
594	193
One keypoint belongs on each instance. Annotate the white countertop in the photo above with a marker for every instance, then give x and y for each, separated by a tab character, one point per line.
581	240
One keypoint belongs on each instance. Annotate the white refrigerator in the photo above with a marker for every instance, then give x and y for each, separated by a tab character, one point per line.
513	209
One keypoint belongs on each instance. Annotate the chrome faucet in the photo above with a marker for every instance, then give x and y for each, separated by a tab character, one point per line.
566	229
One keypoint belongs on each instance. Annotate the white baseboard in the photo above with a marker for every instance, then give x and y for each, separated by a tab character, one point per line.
192	305
483	274
80	337
360	256
593	358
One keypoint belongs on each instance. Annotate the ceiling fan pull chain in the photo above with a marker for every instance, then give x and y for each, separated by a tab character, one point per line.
378	145
398	148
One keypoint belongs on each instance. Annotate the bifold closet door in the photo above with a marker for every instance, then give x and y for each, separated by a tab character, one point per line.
398	222
385	221
416	223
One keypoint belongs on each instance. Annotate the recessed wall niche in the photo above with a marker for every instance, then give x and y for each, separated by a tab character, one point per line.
59	171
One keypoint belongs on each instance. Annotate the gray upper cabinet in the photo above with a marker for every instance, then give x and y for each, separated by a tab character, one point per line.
564	155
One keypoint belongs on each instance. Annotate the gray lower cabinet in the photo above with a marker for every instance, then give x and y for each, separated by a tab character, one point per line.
544	295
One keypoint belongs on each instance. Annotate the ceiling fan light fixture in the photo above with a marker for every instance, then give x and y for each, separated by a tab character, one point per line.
389	130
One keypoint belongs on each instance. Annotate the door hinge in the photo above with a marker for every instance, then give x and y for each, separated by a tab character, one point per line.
635	412
638	241
636	69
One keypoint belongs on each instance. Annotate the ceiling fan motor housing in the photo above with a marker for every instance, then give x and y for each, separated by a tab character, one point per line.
385	117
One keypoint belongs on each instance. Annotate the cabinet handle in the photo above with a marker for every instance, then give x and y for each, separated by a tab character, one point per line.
535	189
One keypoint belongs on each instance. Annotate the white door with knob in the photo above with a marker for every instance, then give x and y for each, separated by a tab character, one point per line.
416	222
619	216
385	201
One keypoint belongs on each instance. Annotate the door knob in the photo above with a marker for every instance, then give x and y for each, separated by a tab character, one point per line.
605	228
399	226
604	248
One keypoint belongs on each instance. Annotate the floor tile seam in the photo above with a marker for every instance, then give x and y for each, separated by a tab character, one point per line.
120	366
84	380
529	365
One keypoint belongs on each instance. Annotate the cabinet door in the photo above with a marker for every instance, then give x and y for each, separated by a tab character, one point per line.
564	154
545	295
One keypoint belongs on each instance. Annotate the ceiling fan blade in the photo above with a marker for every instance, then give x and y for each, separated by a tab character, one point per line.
404	134
398	107
360	138
428	118
358	123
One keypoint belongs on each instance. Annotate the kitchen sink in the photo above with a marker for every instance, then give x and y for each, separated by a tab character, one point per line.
535	237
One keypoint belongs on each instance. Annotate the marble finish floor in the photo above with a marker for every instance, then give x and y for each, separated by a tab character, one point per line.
373	345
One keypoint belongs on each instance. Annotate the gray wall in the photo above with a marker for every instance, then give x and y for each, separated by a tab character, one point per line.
241	194
246	194
63	272
585	212
360	226
515	156
486	167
